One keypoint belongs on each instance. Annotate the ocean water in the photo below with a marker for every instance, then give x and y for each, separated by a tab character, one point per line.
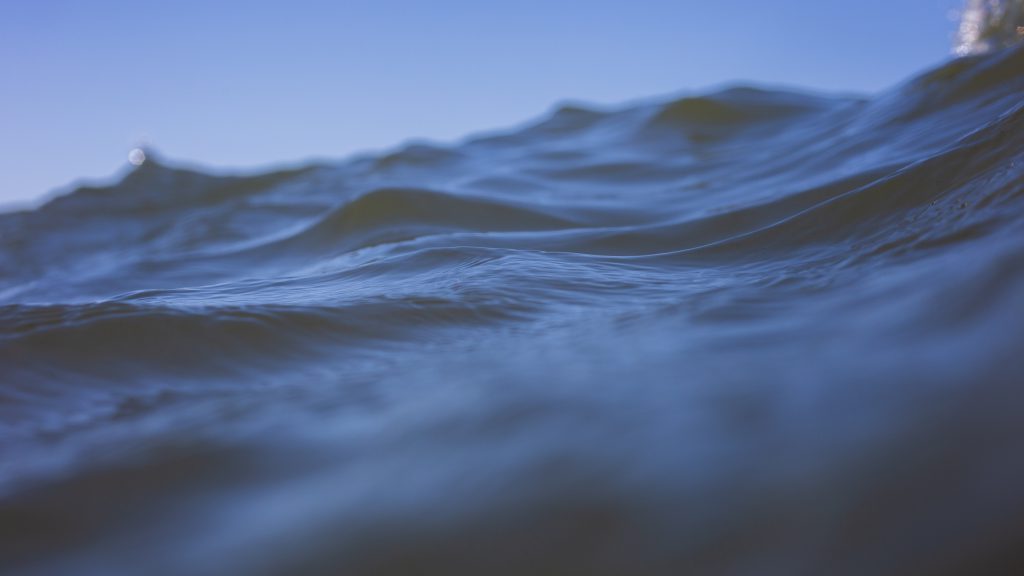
749	332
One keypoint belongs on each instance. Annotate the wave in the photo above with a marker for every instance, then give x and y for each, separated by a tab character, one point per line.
782	325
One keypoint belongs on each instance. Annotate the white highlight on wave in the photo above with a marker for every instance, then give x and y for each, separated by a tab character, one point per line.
137	157
988	25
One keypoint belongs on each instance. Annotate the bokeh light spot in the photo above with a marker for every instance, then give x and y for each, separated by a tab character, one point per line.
137	156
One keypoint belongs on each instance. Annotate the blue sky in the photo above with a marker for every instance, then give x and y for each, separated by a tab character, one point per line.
248	84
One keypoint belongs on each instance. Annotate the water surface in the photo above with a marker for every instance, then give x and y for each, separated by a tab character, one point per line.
746	332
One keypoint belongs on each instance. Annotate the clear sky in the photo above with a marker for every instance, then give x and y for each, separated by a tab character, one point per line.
246	84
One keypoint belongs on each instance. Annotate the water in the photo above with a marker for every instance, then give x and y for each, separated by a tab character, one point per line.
748	332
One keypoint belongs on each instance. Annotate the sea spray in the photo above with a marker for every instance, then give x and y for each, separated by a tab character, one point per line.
988	25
